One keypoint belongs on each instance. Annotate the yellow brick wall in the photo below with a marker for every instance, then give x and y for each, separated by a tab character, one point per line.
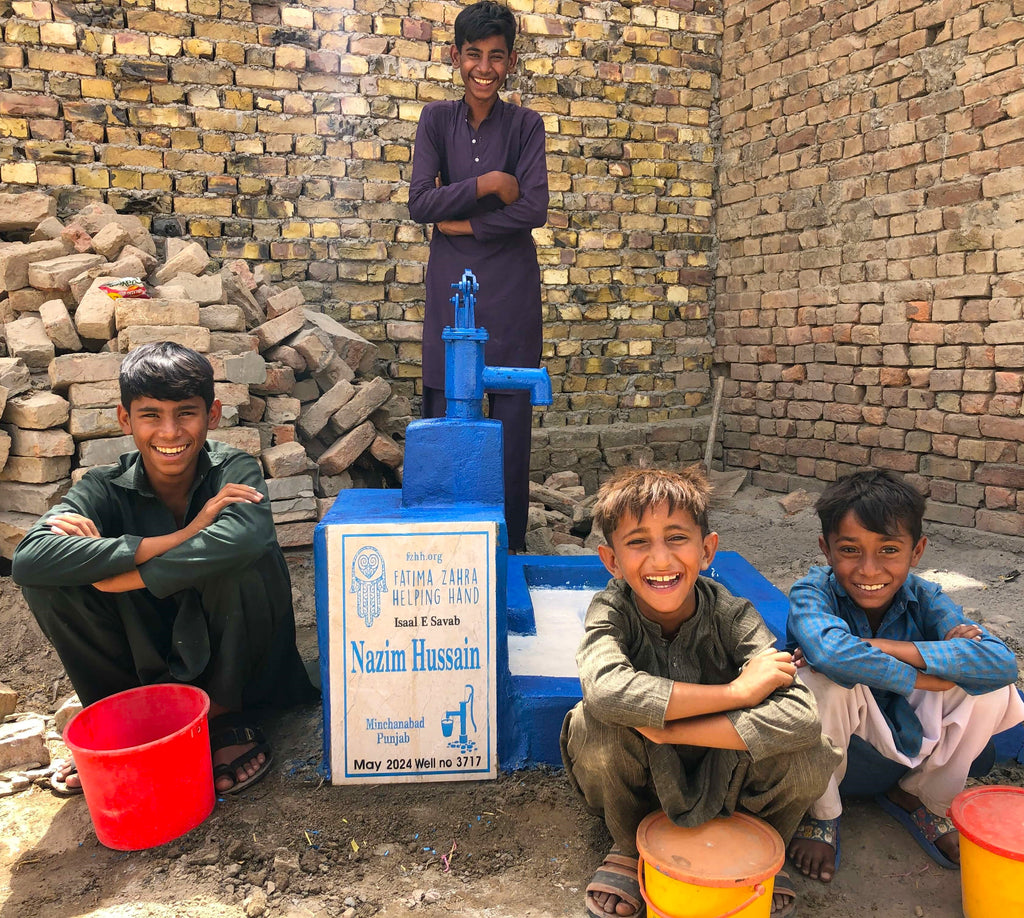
283	133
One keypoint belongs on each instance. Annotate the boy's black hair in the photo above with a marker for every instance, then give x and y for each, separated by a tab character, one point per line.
482	20
882	501
166	371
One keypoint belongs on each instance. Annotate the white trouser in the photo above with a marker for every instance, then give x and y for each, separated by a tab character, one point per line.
956	728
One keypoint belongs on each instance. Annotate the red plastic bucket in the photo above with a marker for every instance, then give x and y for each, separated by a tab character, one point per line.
144	759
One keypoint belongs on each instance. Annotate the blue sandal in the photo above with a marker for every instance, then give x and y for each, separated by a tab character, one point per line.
925	826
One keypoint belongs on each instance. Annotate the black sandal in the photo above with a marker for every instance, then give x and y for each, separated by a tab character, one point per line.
236	729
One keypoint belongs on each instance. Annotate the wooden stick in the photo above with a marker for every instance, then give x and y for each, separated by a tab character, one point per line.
716	409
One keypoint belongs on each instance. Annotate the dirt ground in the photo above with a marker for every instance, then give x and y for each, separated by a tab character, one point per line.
519	847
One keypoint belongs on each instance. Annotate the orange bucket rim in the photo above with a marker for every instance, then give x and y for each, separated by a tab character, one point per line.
778	857
202	715
957	814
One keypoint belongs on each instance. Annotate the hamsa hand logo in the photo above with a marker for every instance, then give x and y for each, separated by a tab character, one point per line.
369	581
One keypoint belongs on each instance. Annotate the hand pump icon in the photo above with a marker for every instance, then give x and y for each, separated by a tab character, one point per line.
464	712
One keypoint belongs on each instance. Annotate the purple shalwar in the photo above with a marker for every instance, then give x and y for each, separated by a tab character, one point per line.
500	253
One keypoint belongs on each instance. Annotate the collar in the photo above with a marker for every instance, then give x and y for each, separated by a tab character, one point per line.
904	597
499	104
133	470
702	594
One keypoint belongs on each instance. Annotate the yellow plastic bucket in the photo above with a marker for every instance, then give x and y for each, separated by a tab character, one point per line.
723	868
990	821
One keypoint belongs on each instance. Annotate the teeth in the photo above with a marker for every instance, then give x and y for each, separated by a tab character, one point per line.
170	451
870	588
663	578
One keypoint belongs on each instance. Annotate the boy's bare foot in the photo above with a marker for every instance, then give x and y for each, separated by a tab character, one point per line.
814	848
948	843
65	780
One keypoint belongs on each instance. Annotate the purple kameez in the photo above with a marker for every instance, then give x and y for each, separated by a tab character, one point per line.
500	252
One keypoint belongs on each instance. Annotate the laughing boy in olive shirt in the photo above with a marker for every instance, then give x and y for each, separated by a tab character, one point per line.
166	568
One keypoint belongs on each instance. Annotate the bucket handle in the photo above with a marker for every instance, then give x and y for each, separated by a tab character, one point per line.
759	890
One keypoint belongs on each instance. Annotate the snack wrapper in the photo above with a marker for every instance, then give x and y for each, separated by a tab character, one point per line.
128	287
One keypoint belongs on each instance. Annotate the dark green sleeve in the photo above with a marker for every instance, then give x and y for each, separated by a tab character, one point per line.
44	559
241	534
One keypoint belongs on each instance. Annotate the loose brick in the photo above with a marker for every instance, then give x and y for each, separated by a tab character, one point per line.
14	376
385	449
36	470
94	317
56	273
283	302
367	399
354	349
246	439
314	417
58	325
93	423
37	410
154	312
33	500
110	240
28	341
103	452
25	211
276	330
39	443
192	259
345	450
285	460
249	368
83	368
222	317
23	744
192	336
282	409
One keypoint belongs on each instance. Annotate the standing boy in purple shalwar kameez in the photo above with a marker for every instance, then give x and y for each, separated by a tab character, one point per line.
479	174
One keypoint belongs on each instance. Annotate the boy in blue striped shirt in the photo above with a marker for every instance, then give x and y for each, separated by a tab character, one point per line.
891	658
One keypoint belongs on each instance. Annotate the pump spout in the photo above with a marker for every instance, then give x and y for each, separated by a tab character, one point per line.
505	379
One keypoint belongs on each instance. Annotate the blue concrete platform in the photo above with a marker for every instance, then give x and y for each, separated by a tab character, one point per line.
541	699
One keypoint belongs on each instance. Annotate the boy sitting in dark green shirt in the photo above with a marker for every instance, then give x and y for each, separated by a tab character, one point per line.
166	568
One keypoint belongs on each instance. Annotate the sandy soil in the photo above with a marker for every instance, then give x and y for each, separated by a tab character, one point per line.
521	846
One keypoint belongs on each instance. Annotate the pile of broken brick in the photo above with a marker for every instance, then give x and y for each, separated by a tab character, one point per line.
299	389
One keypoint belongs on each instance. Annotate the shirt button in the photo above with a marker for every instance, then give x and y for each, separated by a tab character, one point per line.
474	140
476	159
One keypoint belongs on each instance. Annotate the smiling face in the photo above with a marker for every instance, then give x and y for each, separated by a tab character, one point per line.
169	435
871	566
660	557
484	64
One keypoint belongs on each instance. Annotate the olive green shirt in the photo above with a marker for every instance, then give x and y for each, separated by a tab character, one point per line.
125	509
627	667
